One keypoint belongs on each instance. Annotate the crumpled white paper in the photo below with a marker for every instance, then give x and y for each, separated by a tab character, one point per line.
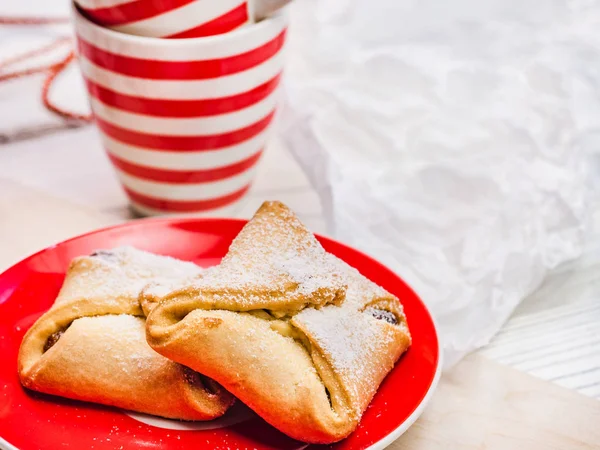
449	140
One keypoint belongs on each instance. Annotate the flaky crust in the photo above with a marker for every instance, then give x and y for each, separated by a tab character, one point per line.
307	362
102	355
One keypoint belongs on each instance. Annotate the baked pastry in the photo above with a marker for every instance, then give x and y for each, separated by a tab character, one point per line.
91	344
294	332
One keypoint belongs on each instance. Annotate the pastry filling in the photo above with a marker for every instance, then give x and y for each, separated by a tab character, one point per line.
106	255
53	339
329	398
199	381
210	385
268	314
381	314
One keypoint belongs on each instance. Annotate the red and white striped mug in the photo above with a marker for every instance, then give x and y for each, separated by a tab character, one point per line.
184	122
169	18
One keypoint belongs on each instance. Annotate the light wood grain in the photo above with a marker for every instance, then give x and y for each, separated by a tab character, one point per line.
481	404
31	220
478	405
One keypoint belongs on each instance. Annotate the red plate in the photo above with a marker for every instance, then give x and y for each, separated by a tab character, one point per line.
30	420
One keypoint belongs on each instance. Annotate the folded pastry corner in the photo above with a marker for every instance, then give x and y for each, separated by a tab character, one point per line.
91	344
274	264
295	333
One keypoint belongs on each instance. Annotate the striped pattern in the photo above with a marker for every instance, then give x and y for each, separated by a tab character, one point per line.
174	19
180	70
184	176
182	108
184	134
229	210
560	345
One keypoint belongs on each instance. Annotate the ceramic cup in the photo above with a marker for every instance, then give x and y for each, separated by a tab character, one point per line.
184	121
168	18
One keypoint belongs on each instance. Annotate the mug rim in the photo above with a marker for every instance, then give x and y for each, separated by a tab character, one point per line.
80	19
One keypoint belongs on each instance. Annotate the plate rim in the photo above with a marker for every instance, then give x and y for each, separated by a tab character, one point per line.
379	445
404	426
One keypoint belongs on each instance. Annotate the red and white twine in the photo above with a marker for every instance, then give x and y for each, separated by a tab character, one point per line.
52	70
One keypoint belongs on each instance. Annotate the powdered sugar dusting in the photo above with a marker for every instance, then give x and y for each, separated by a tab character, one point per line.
122	337
349	337
348	342
273	255
361	291
118	332
276	248
121	272
138	264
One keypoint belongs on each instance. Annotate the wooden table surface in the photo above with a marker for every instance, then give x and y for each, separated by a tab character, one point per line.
479	404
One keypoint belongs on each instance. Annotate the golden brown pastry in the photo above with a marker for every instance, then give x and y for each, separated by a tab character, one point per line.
91	344
295	333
